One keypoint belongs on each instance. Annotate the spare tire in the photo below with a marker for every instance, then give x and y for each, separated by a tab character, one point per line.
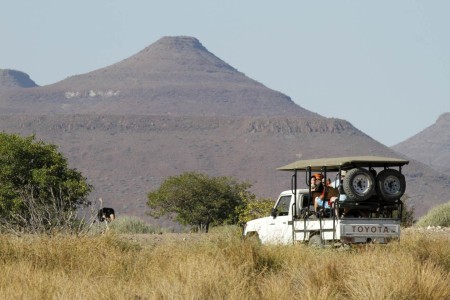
359	184
390	184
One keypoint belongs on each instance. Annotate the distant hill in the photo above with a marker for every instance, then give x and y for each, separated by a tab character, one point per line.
175	107
14	79
430	146
173	76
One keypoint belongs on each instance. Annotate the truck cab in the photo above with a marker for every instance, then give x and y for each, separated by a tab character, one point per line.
277	228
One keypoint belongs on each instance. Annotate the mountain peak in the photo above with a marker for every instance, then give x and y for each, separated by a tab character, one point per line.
13	78
444	118
179	42
430	146
178	53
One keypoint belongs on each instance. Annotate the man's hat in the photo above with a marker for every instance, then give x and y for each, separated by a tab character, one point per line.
318	176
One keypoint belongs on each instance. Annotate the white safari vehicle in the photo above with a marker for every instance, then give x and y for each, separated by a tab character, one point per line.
361	205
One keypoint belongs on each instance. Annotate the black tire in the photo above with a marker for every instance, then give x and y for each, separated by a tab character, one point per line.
359	184
390	185
315	241
252	237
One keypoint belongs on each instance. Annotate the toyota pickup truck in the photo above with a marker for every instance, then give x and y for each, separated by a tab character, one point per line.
360	204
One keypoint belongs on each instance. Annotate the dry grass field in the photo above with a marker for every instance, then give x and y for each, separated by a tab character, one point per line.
219	265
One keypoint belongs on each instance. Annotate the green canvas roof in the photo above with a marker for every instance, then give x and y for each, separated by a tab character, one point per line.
345	163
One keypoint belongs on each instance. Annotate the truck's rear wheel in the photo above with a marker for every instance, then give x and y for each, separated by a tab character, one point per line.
390	185
315	241
359	184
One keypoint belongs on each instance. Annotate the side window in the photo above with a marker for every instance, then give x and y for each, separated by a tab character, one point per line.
283	206
305	200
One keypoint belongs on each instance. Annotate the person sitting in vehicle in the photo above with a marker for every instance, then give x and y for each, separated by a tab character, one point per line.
316	182
341	196
316	188
321	202
312	183
326	198
316	185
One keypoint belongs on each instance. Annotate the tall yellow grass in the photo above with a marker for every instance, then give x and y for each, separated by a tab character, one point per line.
219	266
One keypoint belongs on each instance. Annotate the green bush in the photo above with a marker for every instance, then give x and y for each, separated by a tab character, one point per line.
437	216
254	208
39	193
131	225
197	199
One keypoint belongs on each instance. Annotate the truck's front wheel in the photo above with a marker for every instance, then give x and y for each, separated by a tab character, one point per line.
252	237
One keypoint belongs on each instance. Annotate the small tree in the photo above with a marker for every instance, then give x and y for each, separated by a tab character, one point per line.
254	208
199	200
38	191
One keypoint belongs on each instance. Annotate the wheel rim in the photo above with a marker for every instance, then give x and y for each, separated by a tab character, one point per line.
361	184
391	185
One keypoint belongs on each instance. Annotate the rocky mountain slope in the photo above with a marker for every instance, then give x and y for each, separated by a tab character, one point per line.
175	107
127	156
430	146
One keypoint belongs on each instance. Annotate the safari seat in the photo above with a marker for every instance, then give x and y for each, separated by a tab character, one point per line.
331	192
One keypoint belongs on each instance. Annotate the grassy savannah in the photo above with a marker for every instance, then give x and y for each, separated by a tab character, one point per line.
46	252
219	265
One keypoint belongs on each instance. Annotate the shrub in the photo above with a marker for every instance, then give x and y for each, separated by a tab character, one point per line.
131	225
437	216
38	191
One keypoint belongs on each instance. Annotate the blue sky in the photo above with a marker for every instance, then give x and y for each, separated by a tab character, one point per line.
382	65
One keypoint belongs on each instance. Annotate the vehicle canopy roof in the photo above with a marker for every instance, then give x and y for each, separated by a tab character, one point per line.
344	163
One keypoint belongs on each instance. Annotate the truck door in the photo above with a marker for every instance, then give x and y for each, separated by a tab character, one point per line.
279	230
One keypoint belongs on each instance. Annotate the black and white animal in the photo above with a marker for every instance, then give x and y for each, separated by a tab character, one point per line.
106	214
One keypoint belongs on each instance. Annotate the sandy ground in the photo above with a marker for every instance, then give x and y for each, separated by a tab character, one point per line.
430	230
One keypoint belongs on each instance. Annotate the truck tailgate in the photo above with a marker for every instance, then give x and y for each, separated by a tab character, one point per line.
372	228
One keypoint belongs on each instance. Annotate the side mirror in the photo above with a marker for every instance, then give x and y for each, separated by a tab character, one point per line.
274	212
